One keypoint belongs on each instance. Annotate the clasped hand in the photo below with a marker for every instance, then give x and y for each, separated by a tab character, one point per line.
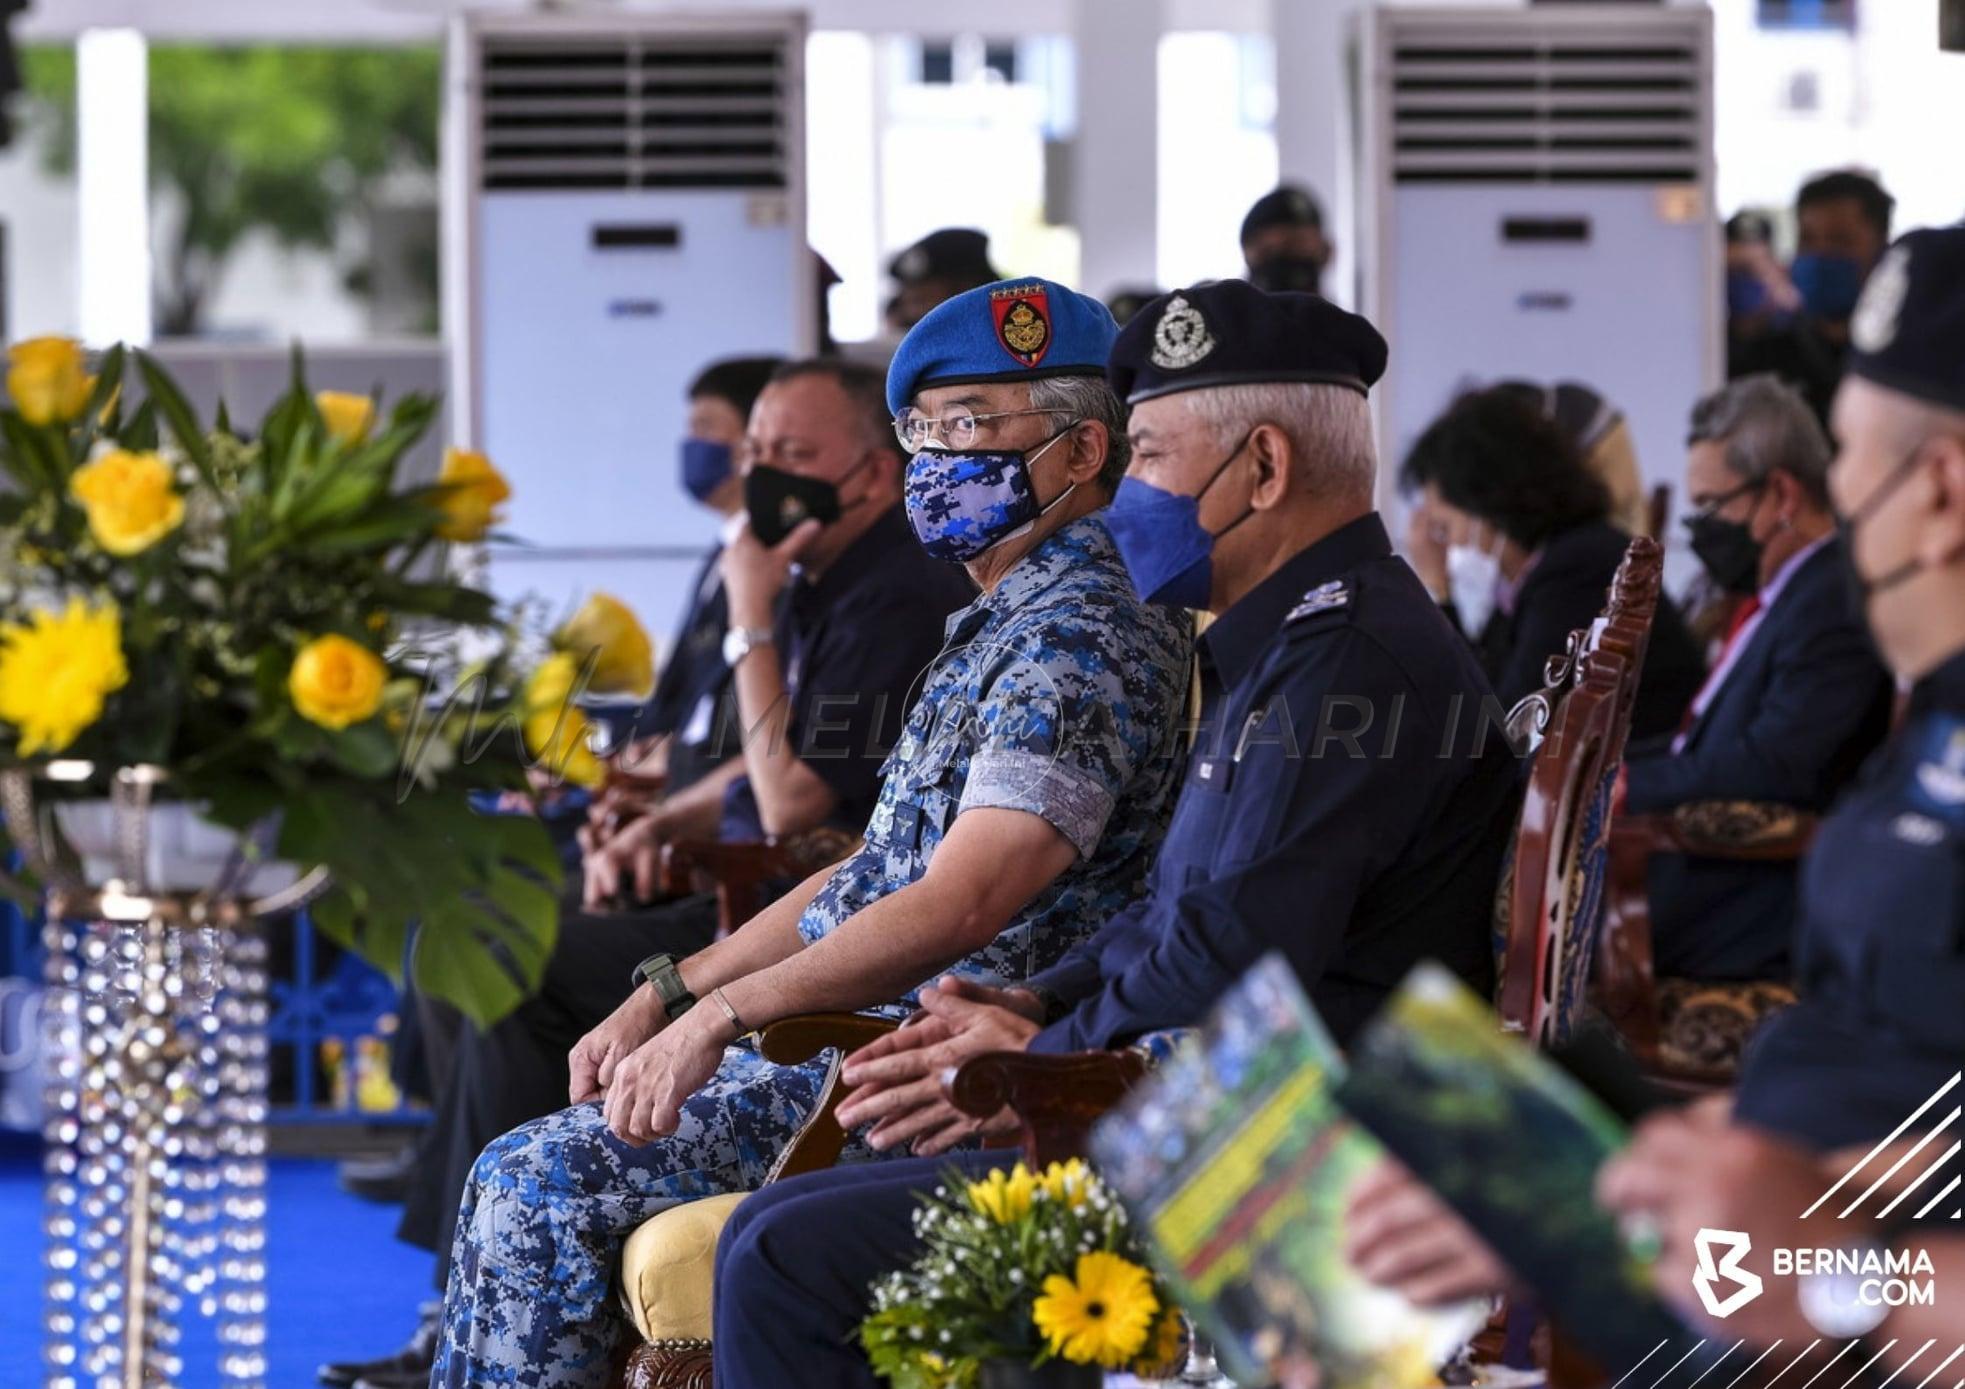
896	1079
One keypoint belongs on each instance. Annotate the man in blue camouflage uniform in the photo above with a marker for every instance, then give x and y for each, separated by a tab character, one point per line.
1339	804
1021	809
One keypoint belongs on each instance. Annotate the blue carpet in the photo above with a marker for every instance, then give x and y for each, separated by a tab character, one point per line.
341	1286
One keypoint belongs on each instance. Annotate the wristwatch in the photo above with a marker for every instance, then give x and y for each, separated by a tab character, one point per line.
662	974
739	642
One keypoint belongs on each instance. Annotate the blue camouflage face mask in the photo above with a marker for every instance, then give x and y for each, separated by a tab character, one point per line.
705	467
1829	286
1161	541
961	504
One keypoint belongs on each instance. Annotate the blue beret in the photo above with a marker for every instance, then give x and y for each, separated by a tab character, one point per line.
1013	330
1908	331
1229	333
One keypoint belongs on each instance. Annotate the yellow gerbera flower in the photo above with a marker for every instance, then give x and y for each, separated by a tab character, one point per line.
1004	1197
473	491
626	661
131	500
56	670
348	416
1099	1316
335	682
47	380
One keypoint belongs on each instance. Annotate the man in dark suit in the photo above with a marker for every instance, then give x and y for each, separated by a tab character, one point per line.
1797	697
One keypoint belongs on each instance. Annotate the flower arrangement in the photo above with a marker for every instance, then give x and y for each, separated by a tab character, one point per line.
1023	1267
257	613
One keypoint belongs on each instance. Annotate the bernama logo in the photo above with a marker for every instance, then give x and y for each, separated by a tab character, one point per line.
1879	1277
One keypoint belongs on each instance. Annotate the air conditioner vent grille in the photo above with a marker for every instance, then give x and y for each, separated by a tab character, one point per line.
1546	108
634	112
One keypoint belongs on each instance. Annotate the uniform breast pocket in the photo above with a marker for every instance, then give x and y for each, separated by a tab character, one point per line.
1194	838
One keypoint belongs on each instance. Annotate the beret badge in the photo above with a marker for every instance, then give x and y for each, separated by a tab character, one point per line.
1181	337
1874	324
1023	322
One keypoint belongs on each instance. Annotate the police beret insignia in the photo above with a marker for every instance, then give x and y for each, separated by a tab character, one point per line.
1181	337
1023	321
1874	324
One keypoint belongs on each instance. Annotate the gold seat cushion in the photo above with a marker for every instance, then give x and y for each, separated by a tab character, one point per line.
1704	1026
668	1268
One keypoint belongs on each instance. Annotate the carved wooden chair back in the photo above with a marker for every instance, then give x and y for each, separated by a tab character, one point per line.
1551	901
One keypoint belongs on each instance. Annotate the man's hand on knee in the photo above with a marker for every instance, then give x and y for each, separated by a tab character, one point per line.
592	1062
649	1088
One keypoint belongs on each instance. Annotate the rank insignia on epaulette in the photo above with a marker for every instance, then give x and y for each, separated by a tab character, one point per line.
1321	599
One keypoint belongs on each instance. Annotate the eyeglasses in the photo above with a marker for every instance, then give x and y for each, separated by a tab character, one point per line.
957	427
1714	505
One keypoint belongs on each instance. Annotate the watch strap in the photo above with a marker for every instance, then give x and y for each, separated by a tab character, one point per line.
663	974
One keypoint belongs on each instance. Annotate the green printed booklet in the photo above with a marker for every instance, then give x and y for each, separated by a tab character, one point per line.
1513	1143
1238	1165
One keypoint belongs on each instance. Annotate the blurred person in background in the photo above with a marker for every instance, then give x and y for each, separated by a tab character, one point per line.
1513	537
1797	698
938	267
1842	225
1602	436
1284	244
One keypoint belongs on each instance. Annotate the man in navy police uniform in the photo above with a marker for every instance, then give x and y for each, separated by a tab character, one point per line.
1334	808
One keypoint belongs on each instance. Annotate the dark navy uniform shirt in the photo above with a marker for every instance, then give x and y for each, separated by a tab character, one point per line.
1332	809
690	698
1880	953
855	642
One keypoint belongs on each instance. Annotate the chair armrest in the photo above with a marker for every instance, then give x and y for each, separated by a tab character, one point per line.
1056	1099
739	871
1763	831
795	1040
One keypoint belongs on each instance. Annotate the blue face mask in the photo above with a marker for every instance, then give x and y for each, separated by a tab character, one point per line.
1829	286
961	504
1162	542
705	467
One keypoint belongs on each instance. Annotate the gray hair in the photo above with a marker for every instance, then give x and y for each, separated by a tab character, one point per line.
1762	423
1329	425
1073	398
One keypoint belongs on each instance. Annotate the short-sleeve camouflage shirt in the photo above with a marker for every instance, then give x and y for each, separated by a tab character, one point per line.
1058	693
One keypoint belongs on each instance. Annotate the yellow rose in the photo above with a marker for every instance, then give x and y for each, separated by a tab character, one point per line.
56	670
626	663
47	381
473	491
335	682
348	417
130	500
557	736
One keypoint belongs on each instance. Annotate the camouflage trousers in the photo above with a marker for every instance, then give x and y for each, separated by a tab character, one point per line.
531	1297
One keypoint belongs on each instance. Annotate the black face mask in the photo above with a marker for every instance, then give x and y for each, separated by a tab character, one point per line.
1300	274
1727	548
778	502
1862	589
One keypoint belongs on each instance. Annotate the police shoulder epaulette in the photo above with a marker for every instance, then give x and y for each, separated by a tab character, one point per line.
1334	596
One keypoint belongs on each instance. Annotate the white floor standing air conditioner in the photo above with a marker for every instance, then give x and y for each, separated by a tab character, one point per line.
624	203
1538	202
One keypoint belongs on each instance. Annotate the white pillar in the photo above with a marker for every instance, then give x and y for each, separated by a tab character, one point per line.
112	184
1115	163
1312	123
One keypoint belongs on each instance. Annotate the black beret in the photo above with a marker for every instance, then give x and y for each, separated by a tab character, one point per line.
953	253
1289	205
1229	333
1908	331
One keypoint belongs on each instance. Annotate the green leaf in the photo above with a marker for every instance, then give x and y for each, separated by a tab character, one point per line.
178	414
27	455
365	749
141	432
447	964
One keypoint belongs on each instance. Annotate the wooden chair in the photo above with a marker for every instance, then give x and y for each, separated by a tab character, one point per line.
1688	1033
743	873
